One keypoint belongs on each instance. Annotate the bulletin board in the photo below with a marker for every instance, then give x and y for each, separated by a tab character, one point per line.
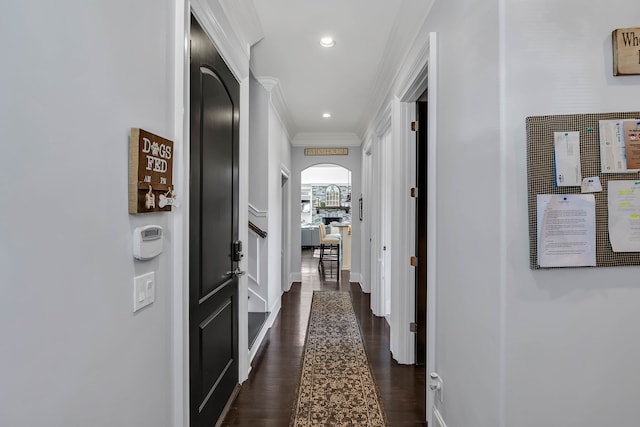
541	176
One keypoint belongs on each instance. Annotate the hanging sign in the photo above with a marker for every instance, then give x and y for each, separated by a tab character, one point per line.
150	173
326	151
626	51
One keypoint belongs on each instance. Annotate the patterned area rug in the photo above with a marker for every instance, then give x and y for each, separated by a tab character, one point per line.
336	384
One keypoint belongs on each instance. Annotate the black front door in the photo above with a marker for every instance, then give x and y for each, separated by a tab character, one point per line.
213	229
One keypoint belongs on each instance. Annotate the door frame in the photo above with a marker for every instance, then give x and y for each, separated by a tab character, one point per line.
285	245
236	56
417	75
423	76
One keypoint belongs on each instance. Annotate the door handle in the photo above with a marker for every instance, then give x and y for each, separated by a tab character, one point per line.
237	272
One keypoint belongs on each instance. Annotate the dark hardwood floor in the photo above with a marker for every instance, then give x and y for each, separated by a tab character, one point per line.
267	397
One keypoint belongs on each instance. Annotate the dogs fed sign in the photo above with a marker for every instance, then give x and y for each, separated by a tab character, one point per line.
150	173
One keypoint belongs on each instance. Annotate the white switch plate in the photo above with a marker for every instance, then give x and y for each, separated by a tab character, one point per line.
144	290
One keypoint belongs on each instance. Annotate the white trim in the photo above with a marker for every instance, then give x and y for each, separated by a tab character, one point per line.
432	220
284	171
504	219
403	233
255	247
243	234
180	240
384	121
214	22
393	54
326	139
295	276
244	18
257	212
355	277
366	148
279	103
263	332
439	421
253	293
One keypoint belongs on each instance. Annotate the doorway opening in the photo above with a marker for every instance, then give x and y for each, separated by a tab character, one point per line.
325	201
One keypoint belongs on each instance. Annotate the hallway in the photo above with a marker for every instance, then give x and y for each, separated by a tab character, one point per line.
267	397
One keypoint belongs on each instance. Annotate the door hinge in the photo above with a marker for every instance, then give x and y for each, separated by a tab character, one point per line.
414	192
414	126
413	261
413	327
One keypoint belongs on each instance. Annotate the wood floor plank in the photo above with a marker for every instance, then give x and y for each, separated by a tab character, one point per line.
267	397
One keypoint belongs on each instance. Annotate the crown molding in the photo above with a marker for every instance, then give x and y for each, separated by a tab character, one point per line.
243	16
412	77
278	102
216	24
326	139
395	53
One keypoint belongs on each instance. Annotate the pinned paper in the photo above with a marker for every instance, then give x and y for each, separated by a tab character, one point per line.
567	159
632	143
624	215
566	230
591	185
613	150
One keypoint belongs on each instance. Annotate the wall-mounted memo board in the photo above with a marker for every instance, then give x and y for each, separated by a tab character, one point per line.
541	176
150	173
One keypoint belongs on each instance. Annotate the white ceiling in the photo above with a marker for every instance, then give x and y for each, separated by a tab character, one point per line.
349	80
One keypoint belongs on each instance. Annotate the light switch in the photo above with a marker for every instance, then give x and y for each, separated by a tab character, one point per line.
144	290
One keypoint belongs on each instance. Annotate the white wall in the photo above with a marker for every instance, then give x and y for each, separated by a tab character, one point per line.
277	140
517	347
257	249
468	210
325	175
258	146
301	162
76	76
288	201
571	334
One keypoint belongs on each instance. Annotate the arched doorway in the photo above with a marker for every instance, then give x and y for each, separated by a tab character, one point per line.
325	198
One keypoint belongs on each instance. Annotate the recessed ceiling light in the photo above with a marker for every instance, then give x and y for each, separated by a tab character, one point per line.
326	115
327	42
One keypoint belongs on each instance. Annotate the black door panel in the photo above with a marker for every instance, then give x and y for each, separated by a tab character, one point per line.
213	227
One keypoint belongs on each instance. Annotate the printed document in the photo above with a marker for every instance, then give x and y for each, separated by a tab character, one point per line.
567	159
566	230
624	216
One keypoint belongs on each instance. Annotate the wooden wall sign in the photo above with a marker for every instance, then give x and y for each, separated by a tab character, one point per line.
626	51
150	173
326	151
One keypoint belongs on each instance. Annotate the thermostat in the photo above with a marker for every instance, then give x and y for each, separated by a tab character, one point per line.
147	242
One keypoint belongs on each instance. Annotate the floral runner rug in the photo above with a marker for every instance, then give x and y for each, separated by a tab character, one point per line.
336	384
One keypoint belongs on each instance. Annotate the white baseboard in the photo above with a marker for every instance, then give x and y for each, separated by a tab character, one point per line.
355	277
258	342
295	277
438	421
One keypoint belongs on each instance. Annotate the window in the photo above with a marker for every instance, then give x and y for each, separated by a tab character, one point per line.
332	195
